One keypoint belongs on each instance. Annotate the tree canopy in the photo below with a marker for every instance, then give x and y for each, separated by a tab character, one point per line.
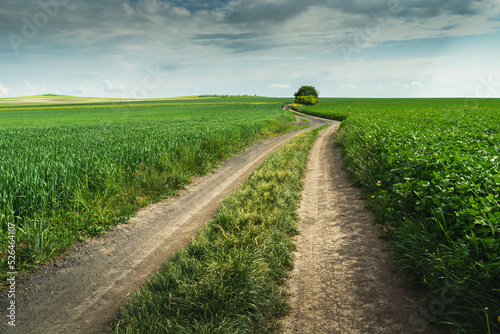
307	95
306	91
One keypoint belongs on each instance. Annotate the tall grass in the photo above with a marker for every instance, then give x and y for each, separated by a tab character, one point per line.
227	280
60	183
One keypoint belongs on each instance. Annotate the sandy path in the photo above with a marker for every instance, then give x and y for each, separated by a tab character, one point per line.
342	281
83	294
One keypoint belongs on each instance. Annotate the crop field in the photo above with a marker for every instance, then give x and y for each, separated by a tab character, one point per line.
431	169
71	171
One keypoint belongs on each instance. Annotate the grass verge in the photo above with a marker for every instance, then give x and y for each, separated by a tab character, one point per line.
227	280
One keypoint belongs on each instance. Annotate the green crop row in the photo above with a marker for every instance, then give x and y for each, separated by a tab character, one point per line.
431	168
69	174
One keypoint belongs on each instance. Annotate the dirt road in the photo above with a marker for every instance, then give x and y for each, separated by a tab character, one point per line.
342	281
82	294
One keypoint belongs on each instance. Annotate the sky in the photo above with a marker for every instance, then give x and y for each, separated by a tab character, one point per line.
167	48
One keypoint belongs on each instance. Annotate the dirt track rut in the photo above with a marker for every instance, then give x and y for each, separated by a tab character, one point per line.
342	281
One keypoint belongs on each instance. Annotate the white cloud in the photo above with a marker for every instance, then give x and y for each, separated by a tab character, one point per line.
110	88
280	86
379	86
413	84
35	89
180	12
349	86
3	89
128	10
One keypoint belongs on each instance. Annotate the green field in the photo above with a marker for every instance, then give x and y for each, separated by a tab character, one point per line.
431	169
70	171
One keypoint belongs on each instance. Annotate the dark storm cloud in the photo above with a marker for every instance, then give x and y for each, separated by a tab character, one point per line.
92	20
118	41
411	8
86	24
270	12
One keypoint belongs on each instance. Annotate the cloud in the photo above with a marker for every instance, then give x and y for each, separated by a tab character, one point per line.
264	11
226	37
236	42
140	26
228	45
110	88
349	86
35	89
127	9
280	86
181	12
413	84
410	8
3	90
278	11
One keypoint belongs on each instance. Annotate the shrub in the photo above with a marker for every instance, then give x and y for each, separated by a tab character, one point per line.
307	100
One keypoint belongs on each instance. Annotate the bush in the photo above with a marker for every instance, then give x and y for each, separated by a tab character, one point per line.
307	100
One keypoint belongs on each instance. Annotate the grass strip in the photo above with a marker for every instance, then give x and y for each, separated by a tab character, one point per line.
227	280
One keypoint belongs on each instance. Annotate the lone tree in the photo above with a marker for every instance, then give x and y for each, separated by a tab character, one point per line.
307	95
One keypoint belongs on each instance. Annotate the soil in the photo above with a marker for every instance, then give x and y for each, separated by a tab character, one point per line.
343	280
82	291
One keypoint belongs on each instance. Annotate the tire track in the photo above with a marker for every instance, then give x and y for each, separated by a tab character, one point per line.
343	281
